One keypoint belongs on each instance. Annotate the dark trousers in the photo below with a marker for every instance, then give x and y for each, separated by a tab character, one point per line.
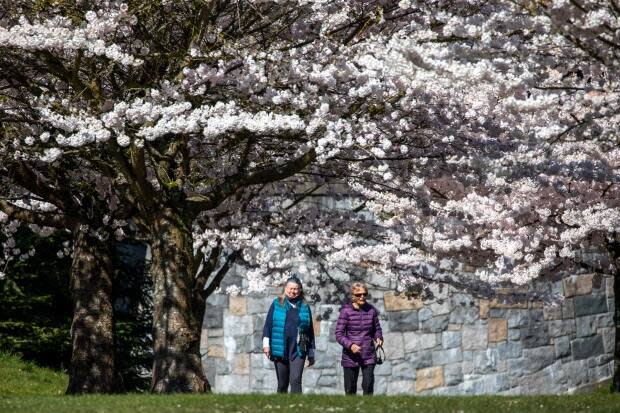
289	372
368	379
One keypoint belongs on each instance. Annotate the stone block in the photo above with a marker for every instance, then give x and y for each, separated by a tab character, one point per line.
310	378
486	361
216	351
507	303
258	304
517	318
450	356
609	286
608	336
561	327
403	320
453	374
214	332
585	326
384	369
425	314
429	378
509	350
576	372
467	367
316	325
421	359
416	341
401	387
440	307
599	373
381	385
231	345
590	304
535	335
498	330
489	384
587	347
514	334
245	344
484	307
568	308
552	311
578	285
500	312
241	364
327	381
451	339
464	315
436	324
604	320
403	371
562	346
395	302
235	325
537	359
213	318
604	359
236	305
394	345
232	383
475	337
209	366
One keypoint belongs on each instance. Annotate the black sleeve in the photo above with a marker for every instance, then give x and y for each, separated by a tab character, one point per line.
311	345
268	322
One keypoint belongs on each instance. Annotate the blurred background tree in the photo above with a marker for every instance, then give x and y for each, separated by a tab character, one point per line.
36	308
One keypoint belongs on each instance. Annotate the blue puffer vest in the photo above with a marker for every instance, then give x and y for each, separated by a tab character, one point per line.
278	341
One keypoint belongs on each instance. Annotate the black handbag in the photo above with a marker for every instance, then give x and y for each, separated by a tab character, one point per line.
379	354
303	342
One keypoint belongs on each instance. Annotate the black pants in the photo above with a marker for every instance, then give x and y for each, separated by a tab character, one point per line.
289	372
368	379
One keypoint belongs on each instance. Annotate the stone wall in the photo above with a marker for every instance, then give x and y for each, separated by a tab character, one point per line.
454	344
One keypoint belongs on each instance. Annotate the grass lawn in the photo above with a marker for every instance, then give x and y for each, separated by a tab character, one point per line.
27	388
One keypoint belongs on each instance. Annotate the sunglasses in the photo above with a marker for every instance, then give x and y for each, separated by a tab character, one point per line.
361	295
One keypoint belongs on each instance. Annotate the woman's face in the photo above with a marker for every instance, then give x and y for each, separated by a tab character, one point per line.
359	296
292	290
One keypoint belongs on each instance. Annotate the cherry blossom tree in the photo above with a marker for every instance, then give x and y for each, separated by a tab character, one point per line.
483	133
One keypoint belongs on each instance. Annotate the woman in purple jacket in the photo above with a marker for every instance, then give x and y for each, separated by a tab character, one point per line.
358	331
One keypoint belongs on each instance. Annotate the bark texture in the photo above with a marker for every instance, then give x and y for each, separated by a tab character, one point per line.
614	249
92	334
177	313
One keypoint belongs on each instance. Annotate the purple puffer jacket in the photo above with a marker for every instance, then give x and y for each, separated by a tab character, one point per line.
359	327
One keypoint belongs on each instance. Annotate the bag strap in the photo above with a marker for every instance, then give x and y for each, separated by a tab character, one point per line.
380	353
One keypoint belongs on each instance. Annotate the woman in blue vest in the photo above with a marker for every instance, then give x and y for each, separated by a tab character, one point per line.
288	336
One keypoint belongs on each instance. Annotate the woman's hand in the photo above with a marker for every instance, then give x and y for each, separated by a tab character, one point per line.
310	361
355	348
267	351
378	342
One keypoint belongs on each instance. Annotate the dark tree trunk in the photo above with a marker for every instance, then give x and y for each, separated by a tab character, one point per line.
614	250
177	319
92	359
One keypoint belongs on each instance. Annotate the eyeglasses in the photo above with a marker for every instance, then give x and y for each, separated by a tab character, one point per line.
361	295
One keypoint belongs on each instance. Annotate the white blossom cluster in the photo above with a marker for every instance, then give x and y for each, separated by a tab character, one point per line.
475	133
58	35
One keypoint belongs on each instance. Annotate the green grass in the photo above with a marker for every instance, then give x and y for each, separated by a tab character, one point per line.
20	378
27	388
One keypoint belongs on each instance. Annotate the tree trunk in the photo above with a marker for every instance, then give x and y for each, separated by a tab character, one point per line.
92	358
177	323
614	250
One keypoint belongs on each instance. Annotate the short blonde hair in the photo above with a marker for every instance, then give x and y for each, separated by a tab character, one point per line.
358	286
